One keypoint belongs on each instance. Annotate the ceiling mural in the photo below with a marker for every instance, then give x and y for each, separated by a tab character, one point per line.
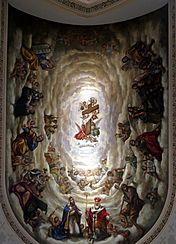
87	129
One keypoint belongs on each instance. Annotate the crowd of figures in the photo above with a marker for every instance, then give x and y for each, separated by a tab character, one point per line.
25	107
31	182
98	223
147	86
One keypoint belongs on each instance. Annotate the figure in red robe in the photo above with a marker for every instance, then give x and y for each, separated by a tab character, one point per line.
148	143
30	203
98	218
81	135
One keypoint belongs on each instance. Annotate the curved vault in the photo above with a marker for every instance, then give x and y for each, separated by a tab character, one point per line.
85	70
88	12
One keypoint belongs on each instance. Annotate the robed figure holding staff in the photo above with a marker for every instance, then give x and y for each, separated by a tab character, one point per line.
70	224
98	218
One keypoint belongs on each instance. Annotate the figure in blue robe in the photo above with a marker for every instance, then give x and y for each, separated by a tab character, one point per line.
70	224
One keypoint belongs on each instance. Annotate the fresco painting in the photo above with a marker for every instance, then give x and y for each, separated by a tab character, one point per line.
87	128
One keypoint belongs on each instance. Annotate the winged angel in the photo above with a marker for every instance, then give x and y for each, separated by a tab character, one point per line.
89	131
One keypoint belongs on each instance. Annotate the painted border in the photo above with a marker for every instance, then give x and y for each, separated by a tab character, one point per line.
161	222
88	10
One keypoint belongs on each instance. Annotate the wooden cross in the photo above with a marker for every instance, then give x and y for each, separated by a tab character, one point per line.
90	109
